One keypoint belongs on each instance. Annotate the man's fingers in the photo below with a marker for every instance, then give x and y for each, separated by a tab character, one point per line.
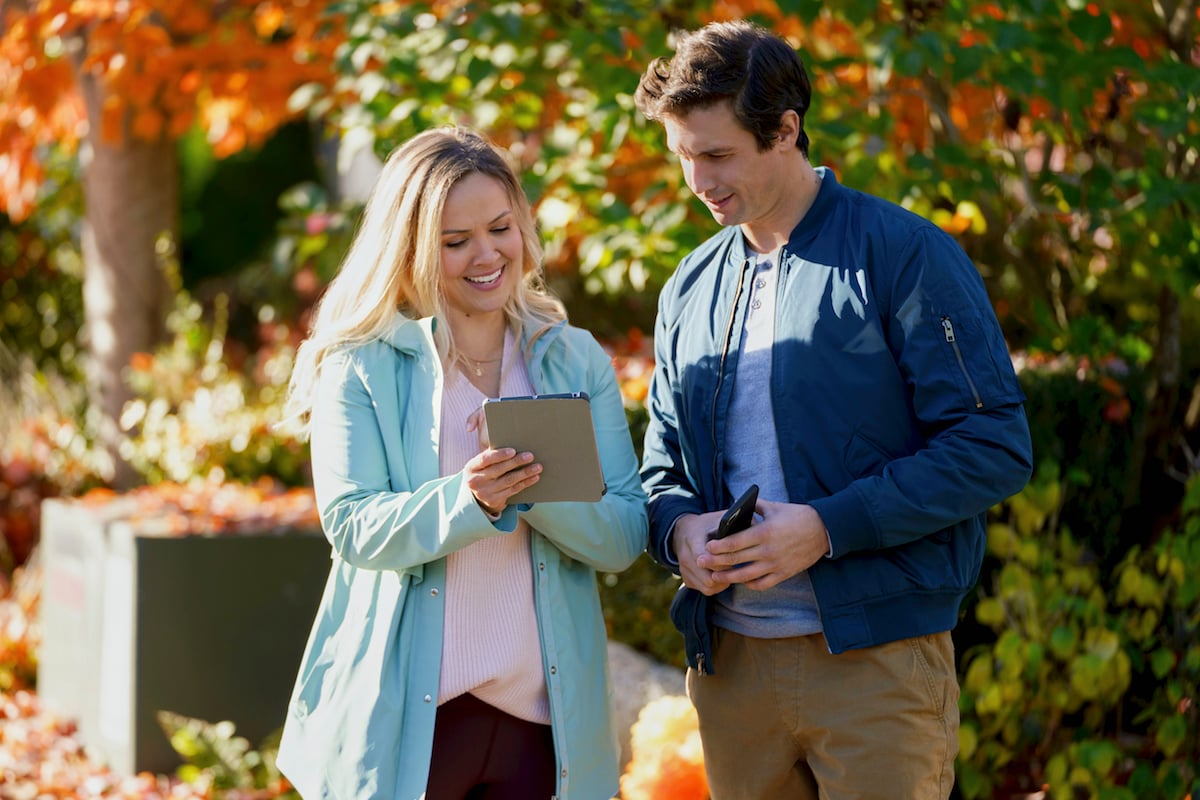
765	582
703	581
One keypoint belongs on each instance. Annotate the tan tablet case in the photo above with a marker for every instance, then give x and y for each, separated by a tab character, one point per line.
558	430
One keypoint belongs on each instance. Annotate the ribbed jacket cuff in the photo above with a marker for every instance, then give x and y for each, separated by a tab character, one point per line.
848	522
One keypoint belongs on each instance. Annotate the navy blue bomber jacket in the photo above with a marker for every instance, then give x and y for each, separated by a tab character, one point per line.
898	414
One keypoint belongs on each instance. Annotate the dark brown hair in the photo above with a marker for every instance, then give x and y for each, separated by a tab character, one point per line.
756	71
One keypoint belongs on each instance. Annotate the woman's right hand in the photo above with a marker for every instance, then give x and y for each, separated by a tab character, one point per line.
494	476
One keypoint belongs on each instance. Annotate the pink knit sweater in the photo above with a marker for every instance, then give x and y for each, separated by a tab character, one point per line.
491	647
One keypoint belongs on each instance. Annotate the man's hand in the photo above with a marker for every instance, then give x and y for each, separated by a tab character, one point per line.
688	538
789	539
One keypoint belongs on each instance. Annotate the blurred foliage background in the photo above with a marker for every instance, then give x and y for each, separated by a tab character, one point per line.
1056	139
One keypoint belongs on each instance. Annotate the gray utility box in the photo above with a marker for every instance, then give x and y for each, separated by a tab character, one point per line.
133	622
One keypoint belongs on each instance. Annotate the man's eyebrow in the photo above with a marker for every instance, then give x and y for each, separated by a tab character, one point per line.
712	151
506	212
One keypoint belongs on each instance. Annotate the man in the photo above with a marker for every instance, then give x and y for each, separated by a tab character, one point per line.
840	353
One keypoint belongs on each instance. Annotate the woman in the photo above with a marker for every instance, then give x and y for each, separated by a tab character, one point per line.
459	647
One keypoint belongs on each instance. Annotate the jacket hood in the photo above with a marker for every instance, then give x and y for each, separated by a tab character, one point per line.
410	335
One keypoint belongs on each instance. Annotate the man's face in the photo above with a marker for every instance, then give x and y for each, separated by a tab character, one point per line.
740	184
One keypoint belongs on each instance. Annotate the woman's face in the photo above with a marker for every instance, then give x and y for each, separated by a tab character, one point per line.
482	248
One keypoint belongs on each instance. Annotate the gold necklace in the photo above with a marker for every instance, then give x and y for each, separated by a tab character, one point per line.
478	368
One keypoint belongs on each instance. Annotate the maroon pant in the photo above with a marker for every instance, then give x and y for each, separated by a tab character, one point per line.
482	753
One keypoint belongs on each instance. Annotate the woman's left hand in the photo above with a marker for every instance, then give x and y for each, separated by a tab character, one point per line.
493	476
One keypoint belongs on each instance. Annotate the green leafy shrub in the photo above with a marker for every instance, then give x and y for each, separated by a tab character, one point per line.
1047	703
635	603
1056	665
1158	593
41	276
45	450
222	762
1082	414
195	415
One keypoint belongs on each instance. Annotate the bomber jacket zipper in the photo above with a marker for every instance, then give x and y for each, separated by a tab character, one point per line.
697	624
948	328
737	298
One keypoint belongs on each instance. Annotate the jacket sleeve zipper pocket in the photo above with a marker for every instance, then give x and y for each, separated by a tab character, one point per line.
952	340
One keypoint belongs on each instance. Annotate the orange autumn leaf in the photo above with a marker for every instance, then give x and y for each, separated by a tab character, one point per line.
141	362
139	90
236	82
854	73
1117	410
992	10
1110	385
187	19
790	28
268	19
232	140
93	8
971	38
112	120
159	67
1039	108
147	124
180	124
971	110
143	37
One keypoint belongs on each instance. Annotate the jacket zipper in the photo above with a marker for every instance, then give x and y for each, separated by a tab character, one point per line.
948	328
721	371
701	663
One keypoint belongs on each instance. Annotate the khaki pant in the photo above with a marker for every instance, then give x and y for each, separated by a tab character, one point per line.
784	718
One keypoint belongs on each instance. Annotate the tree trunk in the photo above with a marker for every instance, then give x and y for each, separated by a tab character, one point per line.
1151	498
131	194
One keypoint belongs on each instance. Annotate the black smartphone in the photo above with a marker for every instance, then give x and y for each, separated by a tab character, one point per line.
739	515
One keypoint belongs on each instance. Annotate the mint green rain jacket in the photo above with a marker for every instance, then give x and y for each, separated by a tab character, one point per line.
360	721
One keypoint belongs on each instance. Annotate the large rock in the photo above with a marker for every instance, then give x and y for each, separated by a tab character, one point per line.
637	679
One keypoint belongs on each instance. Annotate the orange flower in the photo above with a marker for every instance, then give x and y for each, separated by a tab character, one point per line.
667	762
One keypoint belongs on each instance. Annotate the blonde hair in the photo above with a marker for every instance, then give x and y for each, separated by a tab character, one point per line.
394	262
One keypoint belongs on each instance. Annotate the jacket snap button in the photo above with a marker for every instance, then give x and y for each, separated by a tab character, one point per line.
433	592
541	565
553	670
428	699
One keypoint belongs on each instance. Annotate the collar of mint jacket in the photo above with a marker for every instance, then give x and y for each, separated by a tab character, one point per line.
897	411
361	717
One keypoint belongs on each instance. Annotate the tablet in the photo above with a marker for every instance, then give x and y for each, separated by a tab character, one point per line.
557	429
